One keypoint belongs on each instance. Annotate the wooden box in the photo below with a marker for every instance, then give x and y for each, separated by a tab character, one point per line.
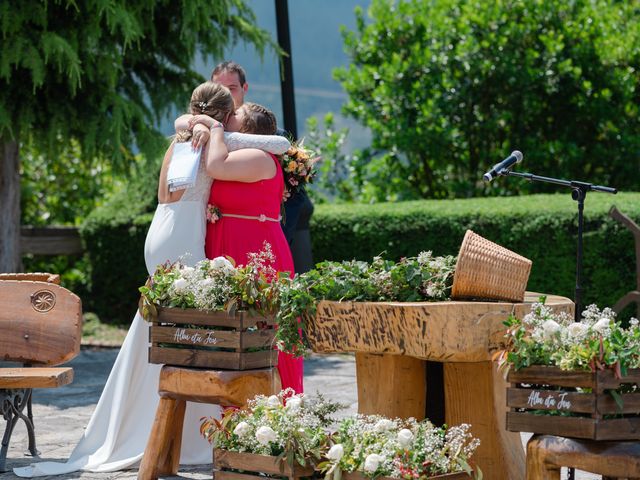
445	476
226	465
254	467
194	338
582	404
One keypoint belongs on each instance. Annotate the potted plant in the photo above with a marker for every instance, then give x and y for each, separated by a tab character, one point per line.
576	379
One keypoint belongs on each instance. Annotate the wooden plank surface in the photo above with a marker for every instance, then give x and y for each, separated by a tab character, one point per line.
40	322
37	377
534	399
191	357
475	394
258	463
216	386
241	320
441	331
50	240
577	427
391	385
200	337
547	375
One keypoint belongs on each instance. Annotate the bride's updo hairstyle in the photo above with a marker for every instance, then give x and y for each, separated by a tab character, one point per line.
257	119
212	99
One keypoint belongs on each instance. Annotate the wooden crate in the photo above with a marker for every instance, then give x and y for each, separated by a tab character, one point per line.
540	388
194	338
445	476
254	467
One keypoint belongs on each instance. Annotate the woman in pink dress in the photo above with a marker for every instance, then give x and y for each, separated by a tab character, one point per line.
248	189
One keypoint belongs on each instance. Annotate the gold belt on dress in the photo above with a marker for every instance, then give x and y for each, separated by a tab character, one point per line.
260	218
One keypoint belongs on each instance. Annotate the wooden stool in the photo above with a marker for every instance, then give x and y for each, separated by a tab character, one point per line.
546	454
179	385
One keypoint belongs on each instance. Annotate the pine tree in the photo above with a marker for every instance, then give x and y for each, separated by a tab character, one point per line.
101	72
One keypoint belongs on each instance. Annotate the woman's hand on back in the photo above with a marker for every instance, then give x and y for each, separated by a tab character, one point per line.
205	120
200	136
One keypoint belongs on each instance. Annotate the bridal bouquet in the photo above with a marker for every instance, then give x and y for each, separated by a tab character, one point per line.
406	449
298	165
543	337
292	426
216	284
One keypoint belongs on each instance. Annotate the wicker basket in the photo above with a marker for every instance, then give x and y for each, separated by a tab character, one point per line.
486	270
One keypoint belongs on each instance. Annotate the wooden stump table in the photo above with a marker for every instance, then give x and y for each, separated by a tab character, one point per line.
393	341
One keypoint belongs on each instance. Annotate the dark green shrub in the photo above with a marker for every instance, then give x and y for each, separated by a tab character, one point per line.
114	237
540	227
543	228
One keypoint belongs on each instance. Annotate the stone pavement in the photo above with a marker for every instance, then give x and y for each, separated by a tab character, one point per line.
61	414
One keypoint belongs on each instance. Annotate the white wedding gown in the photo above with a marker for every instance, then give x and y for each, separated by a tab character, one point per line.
119	428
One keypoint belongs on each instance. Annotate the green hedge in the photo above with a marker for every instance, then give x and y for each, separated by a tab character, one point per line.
543	228
540	227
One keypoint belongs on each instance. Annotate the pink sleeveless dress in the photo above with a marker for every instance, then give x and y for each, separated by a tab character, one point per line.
236	237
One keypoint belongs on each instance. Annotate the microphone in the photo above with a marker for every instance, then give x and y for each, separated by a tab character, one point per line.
506	164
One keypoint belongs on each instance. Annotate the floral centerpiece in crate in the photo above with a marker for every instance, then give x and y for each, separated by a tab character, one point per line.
288	435
213	314
280	435
371	446
576	379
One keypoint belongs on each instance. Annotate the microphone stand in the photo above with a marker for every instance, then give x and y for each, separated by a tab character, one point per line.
578	193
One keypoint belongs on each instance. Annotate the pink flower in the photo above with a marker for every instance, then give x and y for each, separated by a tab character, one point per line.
213	213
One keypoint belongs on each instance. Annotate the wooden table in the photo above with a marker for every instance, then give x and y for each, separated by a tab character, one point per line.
393	341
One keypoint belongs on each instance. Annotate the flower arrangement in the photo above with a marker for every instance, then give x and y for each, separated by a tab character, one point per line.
407	449
298	165
412	279
219	285
296	428
543	337
291	426
214	285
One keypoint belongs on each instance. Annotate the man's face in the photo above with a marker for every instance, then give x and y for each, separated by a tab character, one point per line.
232	82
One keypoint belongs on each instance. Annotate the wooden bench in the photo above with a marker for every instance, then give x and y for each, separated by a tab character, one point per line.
41	325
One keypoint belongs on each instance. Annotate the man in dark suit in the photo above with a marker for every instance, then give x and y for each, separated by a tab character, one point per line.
298	207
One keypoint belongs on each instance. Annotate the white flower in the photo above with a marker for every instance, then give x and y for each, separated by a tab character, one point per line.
242	429
180	285
372	462
186	271
550	328
383	425
294	403
264	435
223	264
405	437
336	452
577	329
602	325
273	401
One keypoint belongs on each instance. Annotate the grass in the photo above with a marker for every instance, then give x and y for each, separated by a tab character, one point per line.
96	333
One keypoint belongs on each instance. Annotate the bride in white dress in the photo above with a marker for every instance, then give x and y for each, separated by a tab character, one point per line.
118	430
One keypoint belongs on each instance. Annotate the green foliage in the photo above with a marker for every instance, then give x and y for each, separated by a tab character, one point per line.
64	191
103	71
540	227
449	87
114	236
421	278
